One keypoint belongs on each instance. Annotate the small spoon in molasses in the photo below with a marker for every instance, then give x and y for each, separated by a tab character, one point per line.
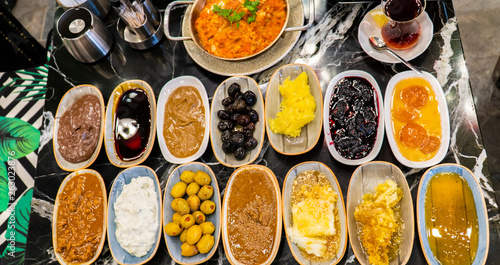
379	45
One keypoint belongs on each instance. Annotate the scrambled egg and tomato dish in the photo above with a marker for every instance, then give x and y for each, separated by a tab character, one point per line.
316	224
379	222
296	109
227	39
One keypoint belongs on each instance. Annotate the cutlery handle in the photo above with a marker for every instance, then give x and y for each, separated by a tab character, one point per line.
404	61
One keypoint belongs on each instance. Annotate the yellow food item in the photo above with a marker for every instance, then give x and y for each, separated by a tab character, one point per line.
451	221
207	207
296	109
199	216
187	221
182	236
202	178
206	192
206	243
207	227
194	203
194	234
379	17
416	122
188	250
173	228
192	189
378	222
178	190
315	218
188	176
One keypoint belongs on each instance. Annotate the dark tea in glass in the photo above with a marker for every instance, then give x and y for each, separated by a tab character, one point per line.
402	31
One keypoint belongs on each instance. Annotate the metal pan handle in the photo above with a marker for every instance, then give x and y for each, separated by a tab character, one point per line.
309	22
167	19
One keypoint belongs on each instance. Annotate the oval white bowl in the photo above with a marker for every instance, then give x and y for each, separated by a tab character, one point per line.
287	210
326	118
167	89
246	83
124	177
56	208
443	110
310	132
67	100
173	242
224	224
109	140
482	214
364	180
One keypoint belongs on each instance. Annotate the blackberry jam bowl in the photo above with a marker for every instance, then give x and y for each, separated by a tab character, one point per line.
353	122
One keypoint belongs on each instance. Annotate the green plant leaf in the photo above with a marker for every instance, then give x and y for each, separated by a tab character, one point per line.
17	138
17	230
4	187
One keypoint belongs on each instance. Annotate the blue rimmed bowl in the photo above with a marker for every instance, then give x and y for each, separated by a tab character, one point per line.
125	177
481	212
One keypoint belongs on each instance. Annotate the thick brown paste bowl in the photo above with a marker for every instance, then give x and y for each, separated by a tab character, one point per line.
79	218
251	216
79	127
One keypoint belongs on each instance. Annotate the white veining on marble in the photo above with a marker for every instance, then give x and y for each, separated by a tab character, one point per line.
459	113
52	50
43	208
47	129
442	65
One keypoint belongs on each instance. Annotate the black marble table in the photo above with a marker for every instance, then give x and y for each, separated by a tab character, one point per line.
329	47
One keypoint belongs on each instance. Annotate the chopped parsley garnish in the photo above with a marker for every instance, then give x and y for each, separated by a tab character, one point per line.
234	16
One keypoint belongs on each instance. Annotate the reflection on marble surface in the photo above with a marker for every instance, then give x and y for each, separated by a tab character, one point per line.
329	47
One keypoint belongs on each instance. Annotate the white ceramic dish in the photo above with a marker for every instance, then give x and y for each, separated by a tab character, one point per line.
310	132
482	214
109	141
443	111
368	28
224	216
287	210
174	243
167	89
56	209
364	180
124	177
326	118
246	83
67	100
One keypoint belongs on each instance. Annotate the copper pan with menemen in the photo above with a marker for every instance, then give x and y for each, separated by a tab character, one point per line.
234	30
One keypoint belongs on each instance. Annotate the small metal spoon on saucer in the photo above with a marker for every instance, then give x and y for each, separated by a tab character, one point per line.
379	45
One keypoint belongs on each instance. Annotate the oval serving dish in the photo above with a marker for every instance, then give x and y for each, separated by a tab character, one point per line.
480	207
174	243
166	91
287	210
246	83
56	208
110	126
364	180
378	102
124	177
226	212
67	101
443	113
310	132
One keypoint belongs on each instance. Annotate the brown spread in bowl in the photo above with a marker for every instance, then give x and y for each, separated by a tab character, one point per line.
184	125
80	218
252	216
79	129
